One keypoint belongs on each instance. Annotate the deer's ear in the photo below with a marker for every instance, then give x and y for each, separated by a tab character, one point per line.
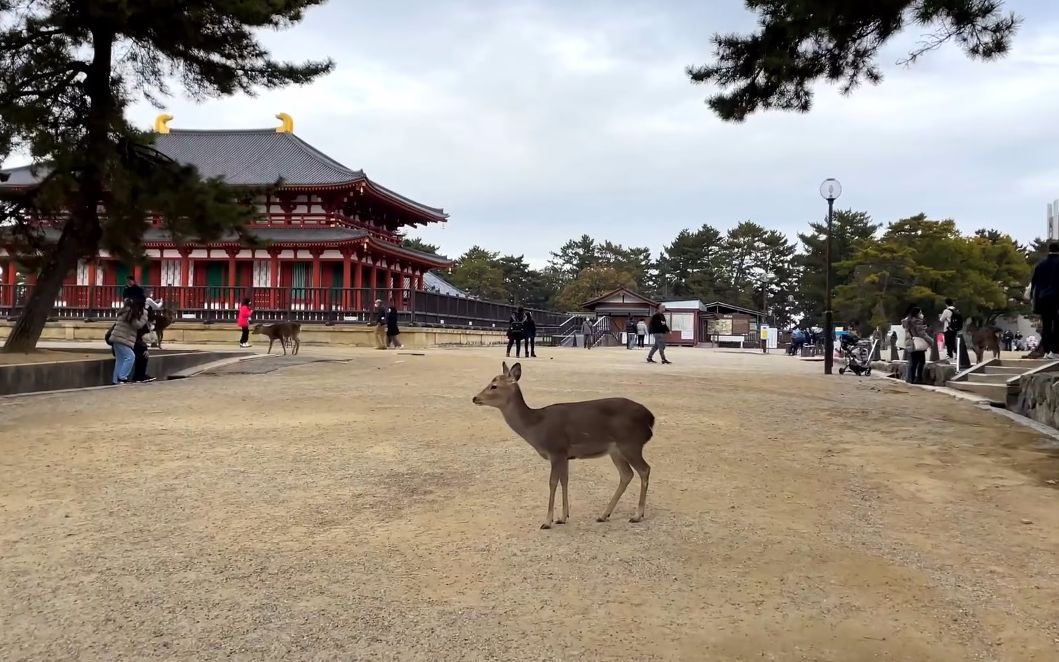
505	369
515	372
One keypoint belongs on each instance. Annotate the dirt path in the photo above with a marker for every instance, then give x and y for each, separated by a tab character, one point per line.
367	510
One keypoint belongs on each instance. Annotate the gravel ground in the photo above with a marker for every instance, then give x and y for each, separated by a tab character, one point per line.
363	508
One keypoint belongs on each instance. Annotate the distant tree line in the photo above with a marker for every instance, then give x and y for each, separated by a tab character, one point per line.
878	271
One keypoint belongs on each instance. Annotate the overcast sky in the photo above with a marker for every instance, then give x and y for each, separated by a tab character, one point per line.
531	122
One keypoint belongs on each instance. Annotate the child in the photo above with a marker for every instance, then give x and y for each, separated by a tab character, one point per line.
244	323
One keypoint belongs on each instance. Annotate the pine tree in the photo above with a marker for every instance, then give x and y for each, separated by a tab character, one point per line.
68	71
799	42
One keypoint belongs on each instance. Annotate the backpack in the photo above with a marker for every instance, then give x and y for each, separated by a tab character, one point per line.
956	321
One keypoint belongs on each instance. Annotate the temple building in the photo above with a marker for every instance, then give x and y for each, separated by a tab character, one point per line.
326	228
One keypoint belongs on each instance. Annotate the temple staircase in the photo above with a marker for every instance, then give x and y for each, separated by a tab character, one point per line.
998	379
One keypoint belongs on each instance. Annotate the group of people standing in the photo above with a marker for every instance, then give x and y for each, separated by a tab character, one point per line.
918	340
387	332
126	336
635	333
522	329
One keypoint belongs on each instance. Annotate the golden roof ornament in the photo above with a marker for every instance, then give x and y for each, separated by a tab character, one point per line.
161	123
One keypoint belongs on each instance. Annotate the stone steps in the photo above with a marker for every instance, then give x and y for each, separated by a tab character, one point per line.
998	381
1009	370
990	378
995	393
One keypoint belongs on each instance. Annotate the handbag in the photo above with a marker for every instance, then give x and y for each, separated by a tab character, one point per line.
919	344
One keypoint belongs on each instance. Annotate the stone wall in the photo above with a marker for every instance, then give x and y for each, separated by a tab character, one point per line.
1039	398
345	335
56	376
935	374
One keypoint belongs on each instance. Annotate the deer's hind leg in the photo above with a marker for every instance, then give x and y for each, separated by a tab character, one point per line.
634	456
559	468
624	478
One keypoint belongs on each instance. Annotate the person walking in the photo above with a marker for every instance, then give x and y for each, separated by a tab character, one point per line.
641	332
659	329
123	336
245	311
529	330
378	316
587	333
392	331
516	329
1044	293
951	325
630	333
917	342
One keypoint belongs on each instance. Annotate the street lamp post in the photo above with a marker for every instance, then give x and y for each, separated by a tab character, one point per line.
830	190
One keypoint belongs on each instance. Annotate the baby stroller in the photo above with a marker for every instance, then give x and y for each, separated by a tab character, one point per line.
857	353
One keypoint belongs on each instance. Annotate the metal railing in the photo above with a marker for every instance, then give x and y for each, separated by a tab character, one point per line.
301	304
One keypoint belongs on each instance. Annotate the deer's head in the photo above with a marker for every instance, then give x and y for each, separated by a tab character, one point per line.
501	388
258	328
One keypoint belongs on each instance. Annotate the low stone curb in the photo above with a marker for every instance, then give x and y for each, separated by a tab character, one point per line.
213	365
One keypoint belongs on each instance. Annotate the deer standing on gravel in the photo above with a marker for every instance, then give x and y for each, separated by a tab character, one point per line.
285	332
568	431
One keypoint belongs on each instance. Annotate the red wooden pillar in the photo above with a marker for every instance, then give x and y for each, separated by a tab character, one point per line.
317	299
358	285
373	281
273	281
90	299
233	296
347	267
9	282
185	267
185	270
137	273
395	285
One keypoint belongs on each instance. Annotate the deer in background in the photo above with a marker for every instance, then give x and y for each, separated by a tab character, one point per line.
568	431
285	332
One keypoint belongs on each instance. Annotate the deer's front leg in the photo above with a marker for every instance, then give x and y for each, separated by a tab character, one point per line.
553	482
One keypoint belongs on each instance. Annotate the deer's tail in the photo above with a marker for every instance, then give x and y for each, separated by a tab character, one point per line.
649	420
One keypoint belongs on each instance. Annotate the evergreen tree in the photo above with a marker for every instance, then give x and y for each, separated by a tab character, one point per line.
849	229
800	42
68	71
417	244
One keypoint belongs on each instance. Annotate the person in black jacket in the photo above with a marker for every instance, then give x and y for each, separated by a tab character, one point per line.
659	329
529	331
133	291
630	333
391	328
516	329
1044	293
378	320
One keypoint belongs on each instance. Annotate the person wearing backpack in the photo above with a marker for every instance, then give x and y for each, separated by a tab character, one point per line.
951	325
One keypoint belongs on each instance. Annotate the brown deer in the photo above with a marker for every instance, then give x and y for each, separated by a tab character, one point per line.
574	431
985	339
284	332
163	319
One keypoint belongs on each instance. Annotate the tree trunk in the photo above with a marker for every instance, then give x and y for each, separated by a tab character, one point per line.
30	325
81	231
